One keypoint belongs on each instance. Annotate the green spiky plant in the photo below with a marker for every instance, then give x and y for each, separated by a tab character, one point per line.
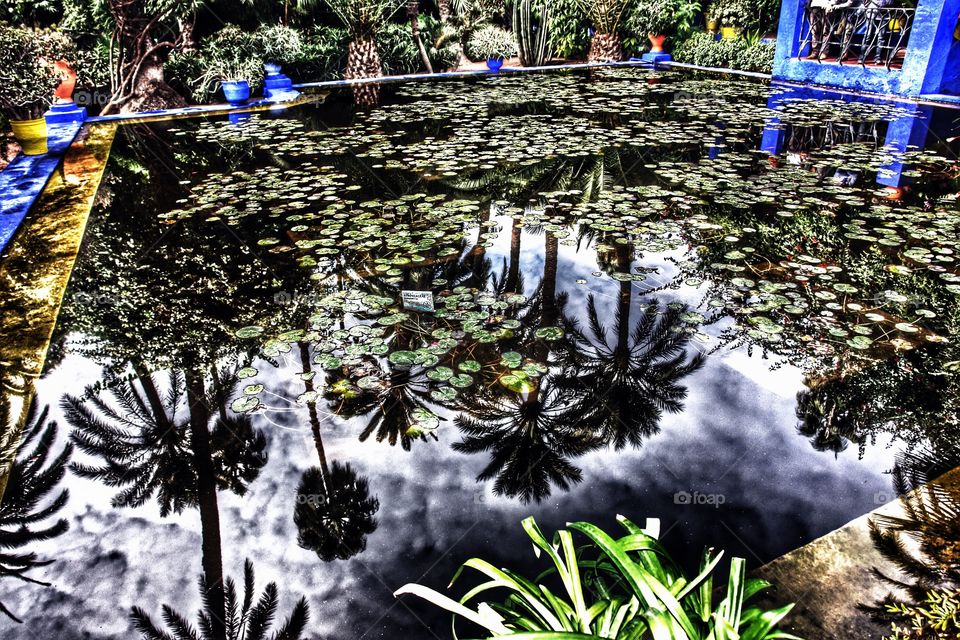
531	20
613	588
491	42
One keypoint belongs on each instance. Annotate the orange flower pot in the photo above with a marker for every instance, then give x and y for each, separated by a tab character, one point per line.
68	80
656	42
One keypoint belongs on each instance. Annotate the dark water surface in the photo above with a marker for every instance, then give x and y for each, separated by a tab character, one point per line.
720	304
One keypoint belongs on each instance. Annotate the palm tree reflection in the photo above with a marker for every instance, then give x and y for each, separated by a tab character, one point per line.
35	473
626	383
334	511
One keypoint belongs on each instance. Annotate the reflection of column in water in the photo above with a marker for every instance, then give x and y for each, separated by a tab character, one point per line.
907	131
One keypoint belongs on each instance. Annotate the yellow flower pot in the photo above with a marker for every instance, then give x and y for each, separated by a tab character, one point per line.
32	135
729	33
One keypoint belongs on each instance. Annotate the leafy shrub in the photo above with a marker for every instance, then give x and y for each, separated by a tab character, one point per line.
491	42
661	17
398	51
750	15
612	588
703	49
27	80
441	41
278	43
569	25
937	618
758	57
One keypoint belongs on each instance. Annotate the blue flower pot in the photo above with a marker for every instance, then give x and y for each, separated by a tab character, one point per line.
494	64
236	92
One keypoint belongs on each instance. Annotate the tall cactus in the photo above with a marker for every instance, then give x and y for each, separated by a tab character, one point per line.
530	24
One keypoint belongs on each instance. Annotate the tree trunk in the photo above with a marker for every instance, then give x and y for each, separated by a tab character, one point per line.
363	61
513	275
626	289
212	559
187	36
314	418
150	92
605	47
415	28
153	395
549	291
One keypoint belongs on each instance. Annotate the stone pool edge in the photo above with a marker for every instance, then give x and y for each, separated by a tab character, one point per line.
37	267
829	577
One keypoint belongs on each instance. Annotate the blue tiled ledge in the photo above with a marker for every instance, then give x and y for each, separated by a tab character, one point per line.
24	178
467	74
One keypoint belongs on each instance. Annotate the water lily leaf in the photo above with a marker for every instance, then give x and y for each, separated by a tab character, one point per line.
549	333
245	404
440	374
511	359
403	358
444	394
461	380
518	382
249	332
470	366
368	382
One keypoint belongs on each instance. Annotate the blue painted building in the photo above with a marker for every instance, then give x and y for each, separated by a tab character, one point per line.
902	51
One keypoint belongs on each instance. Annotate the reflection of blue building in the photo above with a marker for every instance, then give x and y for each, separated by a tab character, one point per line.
893	50
914	127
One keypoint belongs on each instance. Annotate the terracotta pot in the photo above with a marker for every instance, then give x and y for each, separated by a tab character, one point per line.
68	80
32	135
656	43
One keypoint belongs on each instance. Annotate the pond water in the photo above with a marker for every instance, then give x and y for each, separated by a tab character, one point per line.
725	305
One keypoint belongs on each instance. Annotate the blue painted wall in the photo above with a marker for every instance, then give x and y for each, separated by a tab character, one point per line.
931	64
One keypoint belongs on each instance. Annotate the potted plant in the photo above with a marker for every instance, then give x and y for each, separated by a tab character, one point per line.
493	44
27	82
658	19
733	16
233	61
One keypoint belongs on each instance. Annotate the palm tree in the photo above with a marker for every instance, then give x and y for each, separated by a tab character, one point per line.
243	620
34	474
146	448
605	16
334	512
363	19
629	382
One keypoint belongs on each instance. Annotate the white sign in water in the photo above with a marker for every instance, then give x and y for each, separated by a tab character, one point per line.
417	300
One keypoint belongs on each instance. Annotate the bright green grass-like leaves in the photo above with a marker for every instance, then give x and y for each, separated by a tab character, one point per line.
625	588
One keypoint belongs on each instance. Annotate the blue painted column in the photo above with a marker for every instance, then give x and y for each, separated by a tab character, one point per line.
931	47
788	35
931	64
